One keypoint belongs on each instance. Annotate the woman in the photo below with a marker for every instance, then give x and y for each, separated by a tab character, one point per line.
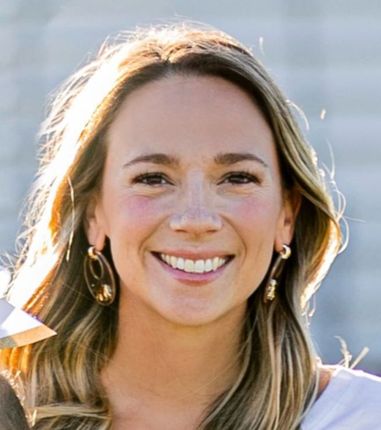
178	226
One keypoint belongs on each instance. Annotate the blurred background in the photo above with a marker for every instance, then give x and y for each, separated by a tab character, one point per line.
326	56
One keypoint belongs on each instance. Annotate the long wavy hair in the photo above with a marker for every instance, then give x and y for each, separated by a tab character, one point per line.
279	374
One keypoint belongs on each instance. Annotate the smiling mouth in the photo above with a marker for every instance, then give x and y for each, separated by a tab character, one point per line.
200	266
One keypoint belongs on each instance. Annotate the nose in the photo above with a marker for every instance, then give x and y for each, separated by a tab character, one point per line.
196	220
193	214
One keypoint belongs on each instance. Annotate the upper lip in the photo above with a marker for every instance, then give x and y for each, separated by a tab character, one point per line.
193	254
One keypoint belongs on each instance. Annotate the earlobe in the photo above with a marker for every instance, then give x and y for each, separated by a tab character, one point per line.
95	233
289	213
98	239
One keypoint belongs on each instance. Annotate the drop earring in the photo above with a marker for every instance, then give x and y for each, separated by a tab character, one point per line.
272	284
99	277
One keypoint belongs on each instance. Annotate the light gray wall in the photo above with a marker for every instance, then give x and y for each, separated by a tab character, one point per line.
325	55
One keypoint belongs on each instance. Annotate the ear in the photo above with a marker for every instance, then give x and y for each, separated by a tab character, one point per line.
286	224
95	224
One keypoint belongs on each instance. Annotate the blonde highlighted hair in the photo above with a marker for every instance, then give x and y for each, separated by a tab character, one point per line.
279	373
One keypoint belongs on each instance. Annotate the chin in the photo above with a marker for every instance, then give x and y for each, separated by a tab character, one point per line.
194	314
191	319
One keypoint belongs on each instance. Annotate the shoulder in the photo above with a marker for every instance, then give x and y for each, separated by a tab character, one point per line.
352	399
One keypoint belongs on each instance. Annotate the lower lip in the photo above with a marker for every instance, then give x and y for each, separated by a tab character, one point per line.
193	278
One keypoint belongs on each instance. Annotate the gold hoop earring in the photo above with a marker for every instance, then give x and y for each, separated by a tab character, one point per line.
99	277
272	284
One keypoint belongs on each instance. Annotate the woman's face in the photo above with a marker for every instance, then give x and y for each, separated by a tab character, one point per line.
191	199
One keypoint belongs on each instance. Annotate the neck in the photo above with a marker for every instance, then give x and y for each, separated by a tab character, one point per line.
159	361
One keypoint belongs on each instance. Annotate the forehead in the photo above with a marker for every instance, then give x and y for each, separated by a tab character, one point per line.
188	115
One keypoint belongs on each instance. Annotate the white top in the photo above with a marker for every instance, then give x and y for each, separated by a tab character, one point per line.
351	401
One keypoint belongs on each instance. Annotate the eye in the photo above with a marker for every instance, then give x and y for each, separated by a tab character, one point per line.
241	177
152	178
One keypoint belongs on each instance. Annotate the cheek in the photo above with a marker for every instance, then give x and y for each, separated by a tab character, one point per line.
136	215
255	221
256	213
132	220
139	207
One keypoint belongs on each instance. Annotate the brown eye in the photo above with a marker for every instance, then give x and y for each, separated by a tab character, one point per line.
152	179
238	178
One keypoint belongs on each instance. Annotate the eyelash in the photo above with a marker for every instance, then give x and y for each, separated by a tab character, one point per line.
249	178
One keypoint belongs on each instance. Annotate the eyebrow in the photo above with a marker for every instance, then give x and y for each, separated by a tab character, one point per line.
221	159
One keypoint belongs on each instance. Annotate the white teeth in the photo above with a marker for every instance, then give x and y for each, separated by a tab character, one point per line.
216	262
199	266
172	261
180	264
208	265
193	266
189	266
